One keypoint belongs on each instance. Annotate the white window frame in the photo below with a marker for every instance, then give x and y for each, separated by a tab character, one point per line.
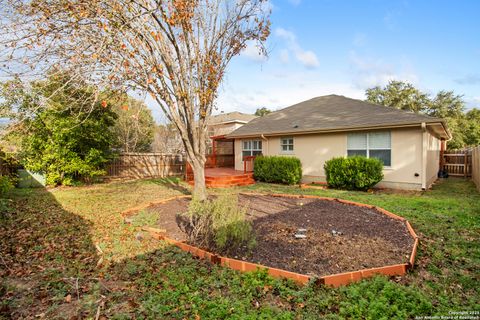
250	147
287	144
368	148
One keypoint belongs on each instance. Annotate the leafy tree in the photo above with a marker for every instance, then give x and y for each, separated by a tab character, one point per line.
472	127
260	112
399	95
446	105
175	50
465	127
134	128
60	137
450	107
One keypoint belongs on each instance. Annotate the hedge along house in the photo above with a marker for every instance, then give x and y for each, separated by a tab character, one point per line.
330	126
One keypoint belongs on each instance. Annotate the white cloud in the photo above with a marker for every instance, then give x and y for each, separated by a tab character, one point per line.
468	79
252	52
369	72
285	34
276	93
284	56
472	102
307	58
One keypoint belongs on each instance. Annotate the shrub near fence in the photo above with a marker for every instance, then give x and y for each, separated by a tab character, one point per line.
476	166
146	165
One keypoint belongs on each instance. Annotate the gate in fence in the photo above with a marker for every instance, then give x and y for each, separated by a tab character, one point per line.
458	163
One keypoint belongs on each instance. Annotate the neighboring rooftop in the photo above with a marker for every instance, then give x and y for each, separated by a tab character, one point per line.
331	113
231	117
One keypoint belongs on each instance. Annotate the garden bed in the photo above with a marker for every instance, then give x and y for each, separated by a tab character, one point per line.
339	238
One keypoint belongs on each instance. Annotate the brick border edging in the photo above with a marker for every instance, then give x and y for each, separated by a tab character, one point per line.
334	280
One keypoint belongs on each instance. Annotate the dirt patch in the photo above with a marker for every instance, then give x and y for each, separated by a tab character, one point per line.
339	237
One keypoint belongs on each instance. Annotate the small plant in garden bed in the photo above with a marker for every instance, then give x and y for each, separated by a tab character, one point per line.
278	169
353	173
218	224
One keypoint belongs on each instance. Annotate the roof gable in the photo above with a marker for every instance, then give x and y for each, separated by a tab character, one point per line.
234	116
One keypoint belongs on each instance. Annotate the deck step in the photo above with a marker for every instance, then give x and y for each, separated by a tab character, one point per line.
223	182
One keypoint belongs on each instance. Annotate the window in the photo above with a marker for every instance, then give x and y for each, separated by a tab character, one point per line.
371	145
286	144
252	148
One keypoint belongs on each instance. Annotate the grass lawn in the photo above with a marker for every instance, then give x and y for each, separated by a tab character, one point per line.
66	253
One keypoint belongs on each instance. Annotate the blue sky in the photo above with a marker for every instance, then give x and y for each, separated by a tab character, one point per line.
320	47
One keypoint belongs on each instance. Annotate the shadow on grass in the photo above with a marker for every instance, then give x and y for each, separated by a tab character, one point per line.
46	252
50	269
172	183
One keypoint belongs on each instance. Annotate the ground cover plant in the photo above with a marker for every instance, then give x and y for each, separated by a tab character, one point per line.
67	253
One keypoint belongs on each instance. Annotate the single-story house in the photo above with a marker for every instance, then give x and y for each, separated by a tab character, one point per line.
321	128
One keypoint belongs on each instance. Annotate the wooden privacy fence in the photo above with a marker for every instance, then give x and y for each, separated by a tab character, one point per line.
146	165
476	166
458	163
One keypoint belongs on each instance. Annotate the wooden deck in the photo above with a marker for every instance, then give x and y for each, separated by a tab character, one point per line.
225	177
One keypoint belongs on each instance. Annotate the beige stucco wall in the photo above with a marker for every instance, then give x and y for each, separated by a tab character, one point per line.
433	159
314	149
223	128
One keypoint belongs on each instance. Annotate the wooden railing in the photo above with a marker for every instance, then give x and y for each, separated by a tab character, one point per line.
248	162
212	161
220	160
458	164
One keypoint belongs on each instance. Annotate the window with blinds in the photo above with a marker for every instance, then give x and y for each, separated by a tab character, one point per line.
371	145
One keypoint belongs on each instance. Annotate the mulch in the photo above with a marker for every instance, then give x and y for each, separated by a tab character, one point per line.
339	238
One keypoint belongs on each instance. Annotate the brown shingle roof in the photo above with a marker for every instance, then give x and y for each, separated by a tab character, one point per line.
231	117
328	113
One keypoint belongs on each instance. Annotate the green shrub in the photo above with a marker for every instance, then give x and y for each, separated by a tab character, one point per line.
6	184
218	225
353	173
278	169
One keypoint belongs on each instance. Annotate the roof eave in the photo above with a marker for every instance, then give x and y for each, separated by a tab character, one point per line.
280	133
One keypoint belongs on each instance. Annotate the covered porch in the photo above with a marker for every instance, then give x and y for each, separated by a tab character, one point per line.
219	167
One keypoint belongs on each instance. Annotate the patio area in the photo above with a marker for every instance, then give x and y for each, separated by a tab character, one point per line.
225	177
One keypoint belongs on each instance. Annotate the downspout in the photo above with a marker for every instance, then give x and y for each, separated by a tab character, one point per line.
267	148
424	156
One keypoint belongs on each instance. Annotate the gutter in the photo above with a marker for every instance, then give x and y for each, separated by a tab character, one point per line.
424	155
281	133
268	146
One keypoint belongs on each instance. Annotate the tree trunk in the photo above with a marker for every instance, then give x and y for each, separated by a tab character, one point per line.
199	188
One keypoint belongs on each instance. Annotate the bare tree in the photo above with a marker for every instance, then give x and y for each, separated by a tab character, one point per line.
135	128
167	140
175	50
